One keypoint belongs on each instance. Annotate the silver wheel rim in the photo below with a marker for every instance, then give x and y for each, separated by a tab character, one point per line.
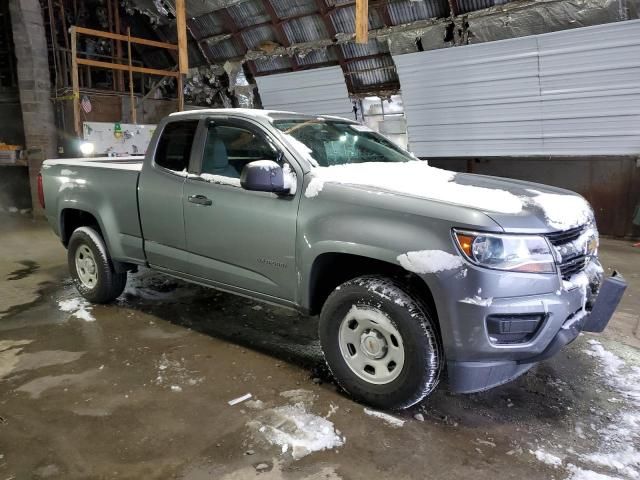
371	346
86	267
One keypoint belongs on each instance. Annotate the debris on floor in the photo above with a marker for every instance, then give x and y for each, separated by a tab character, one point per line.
388	419
241	399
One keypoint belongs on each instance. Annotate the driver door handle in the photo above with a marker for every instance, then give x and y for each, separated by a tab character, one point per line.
200	200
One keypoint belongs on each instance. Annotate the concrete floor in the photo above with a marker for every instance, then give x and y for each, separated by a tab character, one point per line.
139	389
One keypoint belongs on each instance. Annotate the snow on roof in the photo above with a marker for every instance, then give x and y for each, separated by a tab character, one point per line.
258	113
252	112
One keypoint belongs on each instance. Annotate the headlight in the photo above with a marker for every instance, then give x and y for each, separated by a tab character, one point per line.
516	253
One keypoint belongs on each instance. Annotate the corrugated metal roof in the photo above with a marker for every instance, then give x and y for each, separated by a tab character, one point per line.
405	11
290	8
344	19
274	63
305	29
352	50
222	50
206	25
195	8
249	13
372	71
256	36
473	5
254	21
332	3
317	56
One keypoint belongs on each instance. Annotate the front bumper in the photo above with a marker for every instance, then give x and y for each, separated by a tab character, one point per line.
565	319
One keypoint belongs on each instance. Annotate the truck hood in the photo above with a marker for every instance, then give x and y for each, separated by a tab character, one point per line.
516	205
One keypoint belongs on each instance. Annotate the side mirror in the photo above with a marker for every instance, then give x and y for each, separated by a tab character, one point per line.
263	176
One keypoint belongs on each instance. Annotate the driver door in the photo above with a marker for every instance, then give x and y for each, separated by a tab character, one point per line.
235	237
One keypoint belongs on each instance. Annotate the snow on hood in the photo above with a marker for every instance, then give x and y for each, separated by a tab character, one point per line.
419	179
562	211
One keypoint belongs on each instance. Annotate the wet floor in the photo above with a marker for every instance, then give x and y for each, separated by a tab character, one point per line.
140	389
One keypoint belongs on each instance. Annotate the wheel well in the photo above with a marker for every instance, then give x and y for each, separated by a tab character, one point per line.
332	269
70	219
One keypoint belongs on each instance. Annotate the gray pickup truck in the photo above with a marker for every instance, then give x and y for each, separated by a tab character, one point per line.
415	271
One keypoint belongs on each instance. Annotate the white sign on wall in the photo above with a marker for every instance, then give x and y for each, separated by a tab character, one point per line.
118	138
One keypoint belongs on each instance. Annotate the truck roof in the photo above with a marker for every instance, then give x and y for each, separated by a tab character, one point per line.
257	113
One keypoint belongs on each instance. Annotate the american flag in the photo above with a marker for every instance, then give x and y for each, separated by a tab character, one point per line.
85	103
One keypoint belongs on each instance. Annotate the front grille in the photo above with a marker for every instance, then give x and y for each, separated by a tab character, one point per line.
560	238
573	266
569	263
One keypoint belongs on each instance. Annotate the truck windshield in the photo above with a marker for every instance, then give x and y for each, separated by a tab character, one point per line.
329	142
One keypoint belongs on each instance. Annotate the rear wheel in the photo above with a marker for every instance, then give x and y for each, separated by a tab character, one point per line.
91	267
380	343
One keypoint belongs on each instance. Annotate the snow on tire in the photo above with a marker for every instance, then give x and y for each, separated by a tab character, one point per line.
380	342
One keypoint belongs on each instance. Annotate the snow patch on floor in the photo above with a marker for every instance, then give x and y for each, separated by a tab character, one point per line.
429	261
580	474
78	307
388	419
294	429
546	457
617	454
173	374
620	440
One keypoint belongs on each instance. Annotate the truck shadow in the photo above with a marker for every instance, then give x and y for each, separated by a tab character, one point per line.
550	391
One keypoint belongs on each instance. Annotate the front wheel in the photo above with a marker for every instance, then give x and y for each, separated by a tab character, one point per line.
91	267
380	343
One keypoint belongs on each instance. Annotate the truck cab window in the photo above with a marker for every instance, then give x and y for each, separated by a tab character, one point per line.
229	148
174	147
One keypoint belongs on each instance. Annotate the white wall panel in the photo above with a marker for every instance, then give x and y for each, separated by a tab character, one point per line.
317	91
575	92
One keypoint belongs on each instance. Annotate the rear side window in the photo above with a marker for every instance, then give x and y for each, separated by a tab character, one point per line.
174	147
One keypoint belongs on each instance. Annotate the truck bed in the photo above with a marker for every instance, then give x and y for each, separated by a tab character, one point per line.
105	187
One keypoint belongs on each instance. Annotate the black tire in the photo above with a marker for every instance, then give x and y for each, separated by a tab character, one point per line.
423	358
109	284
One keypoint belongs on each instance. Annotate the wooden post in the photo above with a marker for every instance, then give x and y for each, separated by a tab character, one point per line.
183	52
116	15
75	84
180	93
181	24
362	21
132	99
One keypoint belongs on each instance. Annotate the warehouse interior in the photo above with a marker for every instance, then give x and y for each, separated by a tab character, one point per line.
543	91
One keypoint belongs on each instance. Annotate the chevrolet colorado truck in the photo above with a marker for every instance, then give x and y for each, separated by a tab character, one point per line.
414	271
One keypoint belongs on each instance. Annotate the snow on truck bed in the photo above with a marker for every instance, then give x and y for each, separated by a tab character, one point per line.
116	163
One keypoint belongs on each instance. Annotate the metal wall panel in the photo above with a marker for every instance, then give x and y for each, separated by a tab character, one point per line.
317	91
575	92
